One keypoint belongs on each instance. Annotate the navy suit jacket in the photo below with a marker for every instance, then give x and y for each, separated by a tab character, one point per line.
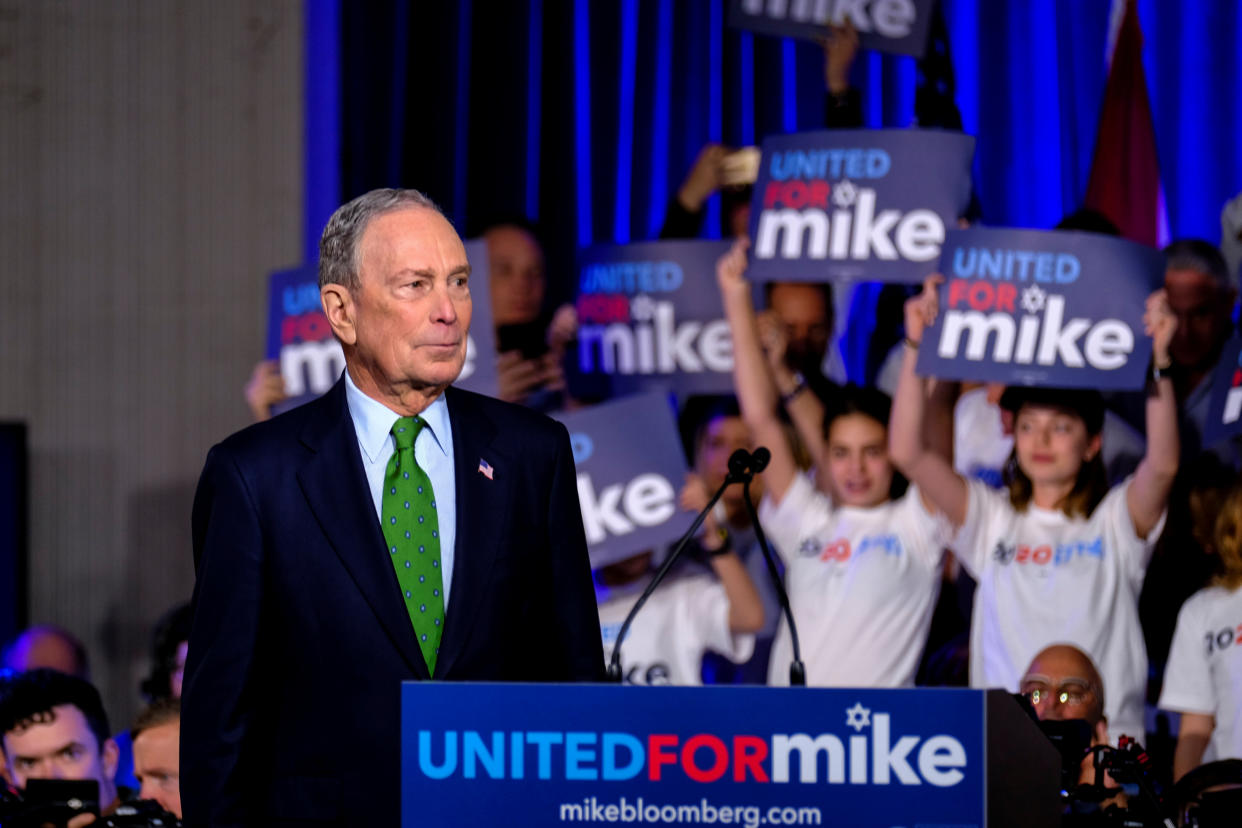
301	639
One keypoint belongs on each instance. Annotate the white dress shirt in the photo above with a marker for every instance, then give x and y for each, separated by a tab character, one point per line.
433	450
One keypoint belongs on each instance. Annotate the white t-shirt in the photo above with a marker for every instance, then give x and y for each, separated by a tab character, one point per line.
862	586
1045	579
685	616
980	444
1204	674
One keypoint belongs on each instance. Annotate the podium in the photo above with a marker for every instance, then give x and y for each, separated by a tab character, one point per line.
573	754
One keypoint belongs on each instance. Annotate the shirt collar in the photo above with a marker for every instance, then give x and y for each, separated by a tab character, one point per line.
373	420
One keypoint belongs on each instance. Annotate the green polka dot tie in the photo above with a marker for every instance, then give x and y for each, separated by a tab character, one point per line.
413	535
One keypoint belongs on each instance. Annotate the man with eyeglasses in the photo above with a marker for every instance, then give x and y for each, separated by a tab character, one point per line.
1062	683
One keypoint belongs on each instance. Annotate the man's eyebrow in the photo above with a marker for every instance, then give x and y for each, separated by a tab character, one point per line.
431	274
22	757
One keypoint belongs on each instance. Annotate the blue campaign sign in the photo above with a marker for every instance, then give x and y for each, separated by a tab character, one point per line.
899	27
650	318
1224	417
630	468
580	754
847	204
1051	308
299	337
311	361
479	372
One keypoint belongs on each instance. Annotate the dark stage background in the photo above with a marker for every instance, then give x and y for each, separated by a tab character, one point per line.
586	115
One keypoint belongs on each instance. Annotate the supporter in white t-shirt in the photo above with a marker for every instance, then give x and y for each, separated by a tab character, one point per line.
862	568
689	613
1058	556
1203	680
685	616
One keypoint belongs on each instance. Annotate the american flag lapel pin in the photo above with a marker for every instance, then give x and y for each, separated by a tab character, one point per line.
485	469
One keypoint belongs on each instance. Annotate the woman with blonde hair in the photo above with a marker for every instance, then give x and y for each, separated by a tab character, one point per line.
1203	680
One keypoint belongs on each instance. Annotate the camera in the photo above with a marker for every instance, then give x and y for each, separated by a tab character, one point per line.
56	801
1119	771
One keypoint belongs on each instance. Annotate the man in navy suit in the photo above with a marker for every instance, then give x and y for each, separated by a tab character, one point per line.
318	592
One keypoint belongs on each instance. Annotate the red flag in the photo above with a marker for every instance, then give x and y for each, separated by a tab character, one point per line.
1125	171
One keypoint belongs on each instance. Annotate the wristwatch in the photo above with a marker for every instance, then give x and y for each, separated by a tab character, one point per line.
726	544
799	387
1159	372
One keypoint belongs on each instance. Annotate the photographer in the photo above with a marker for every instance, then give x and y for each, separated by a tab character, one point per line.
1063	685
157	744
53	726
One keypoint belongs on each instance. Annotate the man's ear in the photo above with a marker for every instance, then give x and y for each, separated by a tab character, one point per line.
111	758
338	306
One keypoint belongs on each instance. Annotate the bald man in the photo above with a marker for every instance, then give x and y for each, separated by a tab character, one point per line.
1063	683
50	647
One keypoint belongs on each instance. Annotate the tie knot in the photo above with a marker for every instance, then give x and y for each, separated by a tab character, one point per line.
405	431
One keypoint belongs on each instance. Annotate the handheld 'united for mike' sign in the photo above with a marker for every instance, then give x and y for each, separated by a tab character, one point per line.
857	204
630	468
299	338
1224	417
310	359
896	26
650	318
1050	308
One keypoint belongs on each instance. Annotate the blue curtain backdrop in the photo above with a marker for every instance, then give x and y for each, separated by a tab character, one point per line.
585	114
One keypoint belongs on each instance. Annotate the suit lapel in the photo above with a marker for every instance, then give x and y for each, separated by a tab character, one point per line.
336	488
482	505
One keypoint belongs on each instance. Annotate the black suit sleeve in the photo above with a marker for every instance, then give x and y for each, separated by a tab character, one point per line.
220	663
578	642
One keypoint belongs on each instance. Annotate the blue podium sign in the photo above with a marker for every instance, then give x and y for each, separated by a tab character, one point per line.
540	755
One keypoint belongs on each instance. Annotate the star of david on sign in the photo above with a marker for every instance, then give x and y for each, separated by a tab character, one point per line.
858	717
642	307
844	194
1033	299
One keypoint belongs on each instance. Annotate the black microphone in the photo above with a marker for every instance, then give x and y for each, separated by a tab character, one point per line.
739	470
759	460
739	463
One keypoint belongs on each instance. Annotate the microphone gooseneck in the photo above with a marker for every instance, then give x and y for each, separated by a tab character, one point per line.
740	471
797	670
